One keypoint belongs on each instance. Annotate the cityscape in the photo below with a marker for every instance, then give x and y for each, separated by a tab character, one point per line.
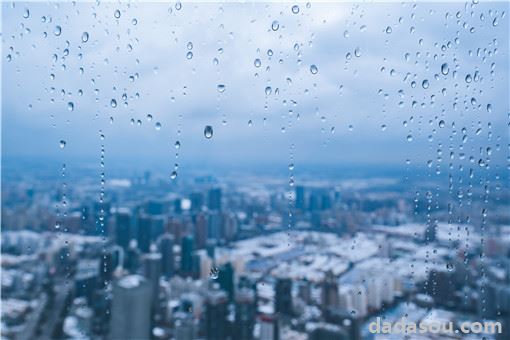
204	170
235	258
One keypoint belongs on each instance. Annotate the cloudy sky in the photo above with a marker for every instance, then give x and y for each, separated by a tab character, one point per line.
322	84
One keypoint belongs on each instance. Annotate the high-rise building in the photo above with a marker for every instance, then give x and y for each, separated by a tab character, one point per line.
214	230
300	198
201	229
329	291
245	310
283	296
269	327
187	248
226	279
132	260
166	248
131	308
197	201
214	199
122	228
216	311
152	272
144	233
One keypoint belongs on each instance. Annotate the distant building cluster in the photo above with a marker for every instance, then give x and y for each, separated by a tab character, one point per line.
211	260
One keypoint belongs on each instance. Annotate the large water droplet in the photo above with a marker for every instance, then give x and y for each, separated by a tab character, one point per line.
84	37
189	55
449	266
213	274
425	84
113	103
275	25
116	14
221	88
295	9
388	30
257	62
445	69
70	106
314	69
158	126
62	144
208	131
57	30
173	175
26	13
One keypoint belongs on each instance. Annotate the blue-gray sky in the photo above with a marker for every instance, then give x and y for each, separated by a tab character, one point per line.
358	107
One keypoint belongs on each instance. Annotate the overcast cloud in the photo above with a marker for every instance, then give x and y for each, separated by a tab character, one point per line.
353	110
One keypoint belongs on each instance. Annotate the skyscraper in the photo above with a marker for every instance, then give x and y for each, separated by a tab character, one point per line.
214	199
329	291
131	308
245	310
166	248
152	272
122	228
283	296
300	197
144	233
226	279
187	255
216	311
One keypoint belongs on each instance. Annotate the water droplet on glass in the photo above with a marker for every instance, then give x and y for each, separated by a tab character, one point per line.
116	14
468	78
208	131
489	108
409	138
113	103
84	37
70	106
26	13
314	69
449	266
158	126
441	123
213	274
444	69
173	175
425	84
388	30
275	25
57	31
357	52
62	144
257	62
221	88
189	55
268	90
295	9
291	166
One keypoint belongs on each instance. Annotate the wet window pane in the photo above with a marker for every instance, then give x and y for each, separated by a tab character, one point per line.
272	170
